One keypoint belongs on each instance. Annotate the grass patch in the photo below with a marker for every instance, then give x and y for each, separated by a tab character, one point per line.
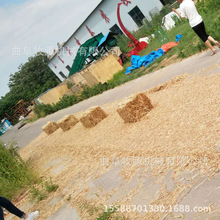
37	194
15	174
50	186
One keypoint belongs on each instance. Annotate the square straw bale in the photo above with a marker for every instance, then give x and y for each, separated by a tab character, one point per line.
67	122
135	109
93	117
50	127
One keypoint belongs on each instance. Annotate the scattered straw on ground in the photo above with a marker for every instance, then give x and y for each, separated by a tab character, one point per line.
185	121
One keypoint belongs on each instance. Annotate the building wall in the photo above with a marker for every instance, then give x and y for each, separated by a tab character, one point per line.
97	24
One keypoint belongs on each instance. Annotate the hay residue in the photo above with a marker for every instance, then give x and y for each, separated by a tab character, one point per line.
184	124
168	84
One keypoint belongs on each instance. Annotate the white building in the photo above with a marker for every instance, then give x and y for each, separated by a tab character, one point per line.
131	15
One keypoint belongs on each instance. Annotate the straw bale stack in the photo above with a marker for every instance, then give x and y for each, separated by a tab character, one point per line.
67	122
93	117
135	109
50	127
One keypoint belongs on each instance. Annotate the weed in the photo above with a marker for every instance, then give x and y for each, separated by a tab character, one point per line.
41	189
50	186
37	194
15	174
110	214
89	208
106	215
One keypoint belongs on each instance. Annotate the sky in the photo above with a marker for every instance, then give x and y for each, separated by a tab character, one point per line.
28	26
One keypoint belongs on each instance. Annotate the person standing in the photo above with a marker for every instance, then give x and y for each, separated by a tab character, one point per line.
5	203
188	10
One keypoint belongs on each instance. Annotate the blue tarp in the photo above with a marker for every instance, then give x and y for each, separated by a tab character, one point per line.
138	61
4	126
103	39
178	37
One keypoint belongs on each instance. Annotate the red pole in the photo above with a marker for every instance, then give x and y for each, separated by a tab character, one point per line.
139	46
134	40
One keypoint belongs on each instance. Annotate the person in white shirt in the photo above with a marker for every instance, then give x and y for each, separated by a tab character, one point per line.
188	10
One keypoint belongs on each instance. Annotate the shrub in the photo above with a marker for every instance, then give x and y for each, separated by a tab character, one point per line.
95	90
69	84
122	42
42	110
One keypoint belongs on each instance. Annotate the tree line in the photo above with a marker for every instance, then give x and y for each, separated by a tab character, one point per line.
31	80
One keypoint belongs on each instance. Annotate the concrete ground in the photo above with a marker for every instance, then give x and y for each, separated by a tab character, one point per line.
198	62
206	191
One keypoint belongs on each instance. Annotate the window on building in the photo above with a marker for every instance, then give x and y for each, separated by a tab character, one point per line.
61	73
137	16
68	67
164	2
115	29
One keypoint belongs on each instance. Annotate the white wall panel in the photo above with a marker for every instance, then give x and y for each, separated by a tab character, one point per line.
97	24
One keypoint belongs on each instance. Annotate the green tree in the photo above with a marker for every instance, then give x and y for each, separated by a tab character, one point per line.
32	79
